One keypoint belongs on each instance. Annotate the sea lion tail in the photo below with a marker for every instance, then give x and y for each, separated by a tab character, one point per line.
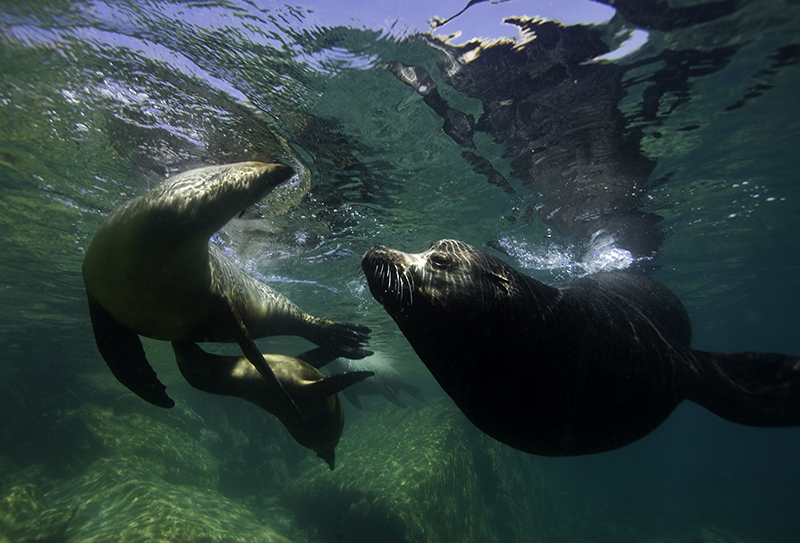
756	389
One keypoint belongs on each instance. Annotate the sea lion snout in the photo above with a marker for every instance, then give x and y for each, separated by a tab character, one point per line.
389	276
381	254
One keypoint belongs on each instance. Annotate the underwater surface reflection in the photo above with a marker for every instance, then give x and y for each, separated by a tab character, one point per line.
658	136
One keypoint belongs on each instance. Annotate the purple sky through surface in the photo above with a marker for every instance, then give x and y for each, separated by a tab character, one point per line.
483	20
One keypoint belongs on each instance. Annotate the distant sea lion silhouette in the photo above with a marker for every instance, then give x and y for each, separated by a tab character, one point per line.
150	270
318	424
386	381
587	367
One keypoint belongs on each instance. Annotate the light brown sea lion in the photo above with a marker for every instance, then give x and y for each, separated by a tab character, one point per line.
320	420
150	270
590	366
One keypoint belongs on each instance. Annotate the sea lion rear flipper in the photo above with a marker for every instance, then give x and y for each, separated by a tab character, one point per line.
336	383
352	397
392	396
252	353
412	390
122	350
757	389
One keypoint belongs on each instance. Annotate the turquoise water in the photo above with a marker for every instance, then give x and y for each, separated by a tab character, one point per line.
99	102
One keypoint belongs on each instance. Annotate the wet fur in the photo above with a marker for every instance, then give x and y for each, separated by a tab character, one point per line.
590	366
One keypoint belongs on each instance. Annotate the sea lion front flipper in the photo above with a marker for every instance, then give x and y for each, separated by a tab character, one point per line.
251	351
336	383
122	350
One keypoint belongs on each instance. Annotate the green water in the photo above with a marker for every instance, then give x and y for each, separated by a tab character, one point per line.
99	102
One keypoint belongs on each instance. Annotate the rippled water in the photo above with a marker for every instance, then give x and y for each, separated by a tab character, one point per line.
100	101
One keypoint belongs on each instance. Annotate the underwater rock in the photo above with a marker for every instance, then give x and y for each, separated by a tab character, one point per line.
176	456
25	516
64	427
67	425
712	534
139	473
421	474
126	501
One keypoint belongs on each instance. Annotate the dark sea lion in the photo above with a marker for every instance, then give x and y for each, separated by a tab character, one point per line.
386	381
318	424
150	270
587	367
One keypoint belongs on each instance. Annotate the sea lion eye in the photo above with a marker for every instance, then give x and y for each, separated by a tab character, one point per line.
440	261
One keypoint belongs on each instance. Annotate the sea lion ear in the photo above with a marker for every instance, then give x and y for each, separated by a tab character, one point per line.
500	281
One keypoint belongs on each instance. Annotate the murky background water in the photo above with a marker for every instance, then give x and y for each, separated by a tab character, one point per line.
100	101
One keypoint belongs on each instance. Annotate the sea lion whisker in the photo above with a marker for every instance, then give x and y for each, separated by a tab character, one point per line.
406	283
380	274
399	286
410	278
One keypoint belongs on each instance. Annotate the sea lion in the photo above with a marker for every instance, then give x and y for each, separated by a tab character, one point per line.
590	366
150	270
318	424
386	381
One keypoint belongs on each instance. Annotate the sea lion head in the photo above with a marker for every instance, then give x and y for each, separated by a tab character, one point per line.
451	275
464	312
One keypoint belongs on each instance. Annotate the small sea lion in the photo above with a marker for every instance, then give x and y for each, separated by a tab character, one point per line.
318	424
590	366
150	270
386	381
